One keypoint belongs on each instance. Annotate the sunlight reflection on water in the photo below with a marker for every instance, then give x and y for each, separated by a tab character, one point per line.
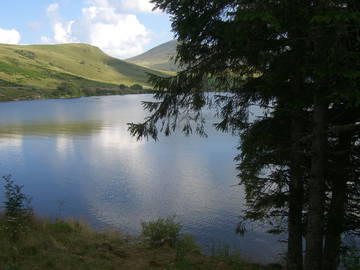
79	152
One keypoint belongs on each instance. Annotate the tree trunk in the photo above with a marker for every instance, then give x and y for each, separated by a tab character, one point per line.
295	247
315	223
336	212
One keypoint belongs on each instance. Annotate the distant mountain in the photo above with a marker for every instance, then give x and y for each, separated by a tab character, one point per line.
158	57
47	66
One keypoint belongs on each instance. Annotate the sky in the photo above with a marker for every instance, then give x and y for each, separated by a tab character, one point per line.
121	28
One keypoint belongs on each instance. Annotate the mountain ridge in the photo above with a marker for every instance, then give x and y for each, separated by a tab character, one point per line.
160	57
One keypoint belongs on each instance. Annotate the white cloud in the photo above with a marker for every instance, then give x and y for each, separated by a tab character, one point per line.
141	6
118	34
52	8
101	24
137	5
11	36
63	32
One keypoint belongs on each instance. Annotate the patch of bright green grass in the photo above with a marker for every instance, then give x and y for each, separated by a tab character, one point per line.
46	66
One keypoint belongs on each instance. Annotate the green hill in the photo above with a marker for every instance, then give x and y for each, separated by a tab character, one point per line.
159	58
47	66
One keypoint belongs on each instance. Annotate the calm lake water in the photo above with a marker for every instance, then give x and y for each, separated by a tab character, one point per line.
75	158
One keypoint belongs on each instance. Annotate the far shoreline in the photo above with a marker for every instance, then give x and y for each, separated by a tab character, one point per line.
27	93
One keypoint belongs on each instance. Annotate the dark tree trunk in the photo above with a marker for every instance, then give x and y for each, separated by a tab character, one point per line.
296	185
295	247
335	220
315	223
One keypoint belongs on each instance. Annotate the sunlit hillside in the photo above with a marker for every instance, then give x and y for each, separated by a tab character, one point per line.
47	66
160	57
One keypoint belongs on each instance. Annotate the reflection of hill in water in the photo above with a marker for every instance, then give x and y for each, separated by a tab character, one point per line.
51	129
79	151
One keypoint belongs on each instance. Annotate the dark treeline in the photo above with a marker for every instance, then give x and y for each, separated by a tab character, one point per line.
299	61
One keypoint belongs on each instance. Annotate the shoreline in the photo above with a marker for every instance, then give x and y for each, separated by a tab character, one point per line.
70	244
27	93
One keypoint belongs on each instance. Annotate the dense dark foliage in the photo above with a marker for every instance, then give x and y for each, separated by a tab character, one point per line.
299	62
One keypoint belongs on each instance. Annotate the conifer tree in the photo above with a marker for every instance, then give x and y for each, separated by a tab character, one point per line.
298	61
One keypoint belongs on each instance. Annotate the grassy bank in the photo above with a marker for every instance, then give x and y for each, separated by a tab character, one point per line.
61	244
16	93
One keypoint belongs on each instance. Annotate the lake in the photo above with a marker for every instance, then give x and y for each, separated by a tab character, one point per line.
76	158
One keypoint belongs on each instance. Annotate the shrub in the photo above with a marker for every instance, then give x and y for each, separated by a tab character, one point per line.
160	230
350	259
18	211
27	54
123	86
68	89
88	92
136	87
185	245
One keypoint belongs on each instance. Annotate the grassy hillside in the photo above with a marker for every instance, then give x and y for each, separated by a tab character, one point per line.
46	66
158	57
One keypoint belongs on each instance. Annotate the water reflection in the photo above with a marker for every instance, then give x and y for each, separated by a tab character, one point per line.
15	141
50	129
79	151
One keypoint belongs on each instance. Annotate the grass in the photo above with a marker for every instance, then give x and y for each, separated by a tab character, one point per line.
67	244
47	66
158	58
161	229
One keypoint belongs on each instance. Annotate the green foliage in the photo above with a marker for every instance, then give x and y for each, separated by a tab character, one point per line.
160	230
182	264
62	227
6	83
29	93
185	244
167	231
27	54
69	89
123	86
296	61
136	87
18	211
350	259
65	244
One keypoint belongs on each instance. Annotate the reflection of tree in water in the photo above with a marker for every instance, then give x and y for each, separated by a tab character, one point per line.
51	128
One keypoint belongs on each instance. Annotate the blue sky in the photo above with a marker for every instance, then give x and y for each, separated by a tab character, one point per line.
121	28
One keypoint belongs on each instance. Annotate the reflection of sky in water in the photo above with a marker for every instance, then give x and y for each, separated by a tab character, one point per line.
76	158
